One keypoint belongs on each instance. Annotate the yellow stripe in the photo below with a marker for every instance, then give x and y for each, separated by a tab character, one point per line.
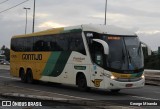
46	32
118	75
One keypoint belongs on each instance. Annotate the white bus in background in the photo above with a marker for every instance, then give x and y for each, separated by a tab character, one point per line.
2	59
89	56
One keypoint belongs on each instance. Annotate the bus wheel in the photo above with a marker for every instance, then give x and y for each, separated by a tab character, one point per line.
82	83
23	76
115	90
29	76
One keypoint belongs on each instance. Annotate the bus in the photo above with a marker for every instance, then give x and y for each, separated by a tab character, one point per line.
2	58
89	56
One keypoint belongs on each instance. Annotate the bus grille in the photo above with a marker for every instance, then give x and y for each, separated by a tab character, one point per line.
128	80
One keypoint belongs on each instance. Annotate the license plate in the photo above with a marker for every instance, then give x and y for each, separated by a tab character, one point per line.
129	85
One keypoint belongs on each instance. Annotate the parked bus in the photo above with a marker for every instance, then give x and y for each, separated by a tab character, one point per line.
89	56
2	58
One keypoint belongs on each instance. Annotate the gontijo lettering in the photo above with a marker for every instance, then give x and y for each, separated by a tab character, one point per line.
32	57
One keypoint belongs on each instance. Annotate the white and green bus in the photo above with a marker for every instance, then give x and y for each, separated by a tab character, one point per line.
89	56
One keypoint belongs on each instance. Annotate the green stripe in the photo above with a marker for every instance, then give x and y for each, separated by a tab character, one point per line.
72	31
80	67
50	65
137	74
61	63
56	63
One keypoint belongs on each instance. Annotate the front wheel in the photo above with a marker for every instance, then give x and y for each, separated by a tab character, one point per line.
82	83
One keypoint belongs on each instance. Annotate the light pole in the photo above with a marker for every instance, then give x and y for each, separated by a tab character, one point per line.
105	12
33	15
26	19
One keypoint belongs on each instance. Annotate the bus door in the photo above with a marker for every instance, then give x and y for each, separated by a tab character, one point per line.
97	70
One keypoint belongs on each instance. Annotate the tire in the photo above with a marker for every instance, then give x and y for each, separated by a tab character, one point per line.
30	77
115	90
82	83
23	76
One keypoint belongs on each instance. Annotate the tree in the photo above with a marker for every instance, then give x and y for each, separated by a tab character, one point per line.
3	47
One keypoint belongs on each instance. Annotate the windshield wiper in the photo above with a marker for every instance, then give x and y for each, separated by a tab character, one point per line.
131	61
123	56
139	48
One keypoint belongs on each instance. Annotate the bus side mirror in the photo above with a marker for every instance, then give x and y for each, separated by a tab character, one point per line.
104	44
149	51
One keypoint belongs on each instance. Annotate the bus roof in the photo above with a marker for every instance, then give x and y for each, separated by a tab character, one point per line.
99	28
107	29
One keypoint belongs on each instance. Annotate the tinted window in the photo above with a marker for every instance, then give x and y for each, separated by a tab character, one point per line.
13	44
62	42
75	42
41	43
57	42
28	44
22	44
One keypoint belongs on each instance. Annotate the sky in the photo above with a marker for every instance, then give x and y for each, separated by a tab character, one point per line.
139	16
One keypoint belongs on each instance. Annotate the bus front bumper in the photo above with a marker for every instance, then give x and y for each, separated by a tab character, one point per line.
114	84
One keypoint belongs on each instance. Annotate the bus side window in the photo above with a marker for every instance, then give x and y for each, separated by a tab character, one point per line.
20	44
28	44
97	53
38	45
75	43
13	44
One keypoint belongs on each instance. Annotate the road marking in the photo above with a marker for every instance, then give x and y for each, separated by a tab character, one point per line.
54	93
144	98
9	77
45	91
156	92
4	67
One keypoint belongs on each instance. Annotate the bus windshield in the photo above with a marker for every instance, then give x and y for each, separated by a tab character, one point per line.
125	53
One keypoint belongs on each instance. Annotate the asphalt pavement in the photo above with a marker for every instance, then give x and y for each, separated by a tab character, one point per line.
11	86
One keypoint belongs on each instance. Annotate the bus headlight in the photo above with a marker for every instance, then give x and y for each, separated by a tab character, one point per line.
109	76
113	77
142	76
